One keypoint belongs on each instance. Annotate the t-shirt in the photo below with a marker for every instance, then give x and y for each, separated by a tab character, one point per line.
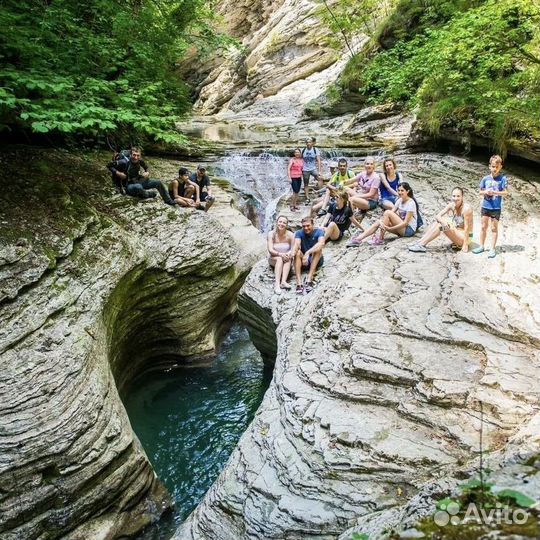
366	182
307	241
341	216
339	180
310	158
385	194
403	208
201	182
499	183
296	168
132	170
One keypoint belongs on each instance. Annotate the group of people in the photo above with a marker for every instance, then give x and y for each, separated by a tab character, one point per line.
130	176
347	198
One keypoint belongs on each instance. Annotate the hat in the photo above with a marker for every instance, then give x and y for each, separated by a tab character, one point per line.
333	164
201	167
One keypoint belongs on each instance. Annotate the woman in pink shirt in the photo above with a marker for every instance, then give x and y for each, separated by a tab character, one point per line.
366	195
294	171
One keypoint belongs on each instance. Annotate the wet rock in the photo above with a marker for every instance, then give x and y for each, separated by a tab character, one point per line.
385	376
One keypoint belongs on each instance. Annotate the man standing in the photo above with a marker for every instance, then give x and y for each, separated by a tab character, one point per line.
312	165
308	248
203	199
133	173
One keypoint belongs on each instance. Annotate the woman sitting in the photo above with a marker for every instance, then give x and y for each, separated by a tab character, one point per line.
389	184
402	220
338	219
280	250
455	221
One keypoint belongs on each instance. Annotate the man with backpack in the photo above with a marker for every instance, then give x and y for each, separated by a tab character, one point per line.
312	165
130	174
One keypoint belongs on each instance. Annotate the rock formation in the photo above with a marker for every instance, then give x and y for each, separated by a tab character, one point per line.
94	288
385	376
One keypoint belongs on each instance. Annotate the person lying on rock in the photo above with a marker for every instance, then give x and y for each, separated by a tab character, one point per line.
390	181
280	244
134	172
308	248
184	191
339	180
493	187
338	218
205	193
455	221
366	195
401	220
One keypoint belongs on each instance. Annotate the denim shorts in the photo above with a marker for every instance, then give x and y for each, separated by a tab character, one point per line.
390	198
409	231
372	204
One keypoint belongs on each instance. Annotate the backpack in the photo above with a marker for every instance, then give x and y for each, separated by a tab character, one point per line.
419	220
122	155
317	153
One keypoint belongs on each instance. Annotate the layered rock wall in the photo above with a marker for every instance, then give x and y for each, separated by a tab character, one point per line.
387	375
95	288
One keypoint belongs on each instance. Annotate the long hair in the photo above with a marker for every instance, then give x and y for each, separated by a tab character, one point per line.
275	231
407	187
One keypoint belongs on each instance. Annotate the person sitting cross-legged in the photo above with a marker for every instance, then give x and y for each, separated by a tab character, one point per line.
183	189
402	220
308	248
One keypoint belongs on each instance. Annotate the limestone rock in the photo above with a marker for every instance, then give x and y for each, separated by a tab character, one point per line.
384	376
101	286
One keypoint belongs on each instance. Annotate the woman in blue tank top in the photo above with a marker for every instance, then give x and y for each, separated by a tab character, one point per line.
389	184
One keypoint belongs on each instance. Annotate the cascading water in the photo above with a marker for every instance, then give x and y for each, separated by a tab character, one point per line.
263	176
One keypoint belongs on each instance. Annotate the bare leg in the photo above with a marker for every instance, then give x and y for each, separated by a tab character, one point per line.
298	267
431	233
331	232
494	232
368	232
391	219
285	272
455	236
483	232
278	271
313	267
359	202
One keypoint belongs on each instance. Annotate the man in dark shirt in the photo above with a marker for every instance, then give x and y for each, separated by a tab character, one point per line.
134	175
203	199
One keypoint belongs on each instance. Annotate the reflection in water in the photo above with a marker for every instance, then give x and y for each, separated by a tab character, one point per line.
190	420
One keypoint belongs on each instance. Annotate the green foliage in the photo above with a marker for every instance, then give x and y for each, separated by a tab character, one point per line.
516	497
359	536
470	65
81	69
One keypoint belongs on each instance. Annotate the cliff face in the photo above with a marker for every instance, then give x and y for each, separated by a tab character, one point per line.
93	289
283	47
385	376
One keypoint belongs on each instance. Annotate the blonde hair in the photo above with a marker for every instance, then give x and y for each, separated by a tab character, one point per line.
496	159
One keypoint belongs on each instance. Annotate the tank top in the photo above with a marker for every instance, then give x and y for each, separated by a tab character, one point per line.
296	167
385	194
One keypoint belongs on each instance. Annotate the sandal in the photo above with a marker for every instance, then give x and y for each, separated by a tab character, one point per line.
299	289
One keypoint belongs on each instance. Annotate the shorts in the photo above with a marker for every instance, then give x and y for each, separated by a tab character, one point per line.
390	198
319	264
296	183
409	231
372	204
307	174
493	214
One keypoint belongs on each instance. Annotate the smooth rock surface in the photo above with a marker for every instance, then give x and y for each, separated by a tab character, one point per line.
94	288
384	377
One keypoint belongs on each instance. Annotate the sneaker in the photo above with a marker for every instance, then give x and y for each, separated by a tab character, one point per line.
478	250
492	253
149	195
376	241
286	286
171	202
277	290
299	289
417	248
353	242
321	213
308	287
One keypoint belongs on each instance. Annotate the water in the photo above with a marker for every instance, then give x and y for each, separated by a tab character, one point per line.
189	420
264	176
